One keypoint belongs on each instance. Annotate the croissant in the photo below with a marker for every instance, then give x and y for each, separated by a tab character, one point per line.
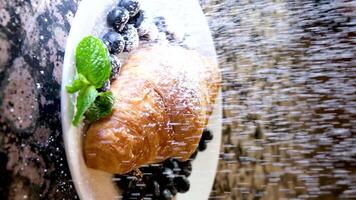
164	96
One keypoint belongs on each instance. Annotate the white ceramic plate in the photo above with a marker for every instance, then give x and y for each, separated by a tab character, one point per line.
90	19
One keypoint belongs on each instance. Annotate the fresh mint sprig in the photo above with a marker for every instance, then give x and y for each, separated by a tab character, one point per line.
93	61
78	84
85	99
101	107
93	70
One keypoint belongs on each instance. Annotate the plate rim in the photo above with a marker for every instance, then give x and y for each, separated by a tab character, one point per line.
67	104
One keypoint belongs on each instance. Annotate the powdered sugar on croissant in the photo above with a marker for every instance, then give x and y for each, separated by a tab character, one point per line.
163	99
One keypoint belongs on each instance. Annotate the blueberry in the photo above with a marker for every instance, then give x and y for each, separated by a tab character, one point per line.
202	145
173	189
127	181
172	164
105	87
141	23
166	178
155	169
132	181
167	175
114	42
133	6
152	33
117	18
154	188
122	181
166	194
147	169
137	20
194	155
162	26
168	27
148	178
115	67
133	194
207	135
135	190
131	38
186	168
181	183
161	23
151	172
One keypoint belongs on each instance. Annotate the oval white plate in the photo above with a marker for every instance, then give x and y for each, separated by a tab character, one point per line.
90	19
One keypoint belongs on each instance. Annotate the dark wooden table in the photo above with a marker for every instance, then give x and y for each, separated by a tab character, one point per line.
289	98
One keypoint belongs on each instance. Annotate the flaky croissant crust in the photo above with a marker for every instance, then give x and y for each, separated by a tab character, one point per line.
164	96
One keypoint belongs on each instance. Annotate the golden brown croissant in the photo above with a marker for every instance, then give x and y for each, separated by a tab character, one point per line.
163	98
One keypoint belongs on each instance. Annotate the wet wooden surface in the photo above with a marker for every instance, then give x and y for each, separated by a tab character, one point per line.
289	99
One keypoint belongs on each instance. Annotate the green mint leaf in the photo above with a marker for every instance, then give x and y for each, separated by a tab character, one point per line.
77	84
93	60
102	107
85	99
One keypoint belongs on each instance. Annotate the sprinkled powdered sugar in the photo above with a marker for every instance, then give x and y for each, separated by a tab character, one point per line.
162	103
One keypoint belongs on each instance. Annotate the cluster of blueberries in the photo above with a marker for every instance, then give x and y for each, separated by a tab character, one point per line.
125	21
124	36
128	24
161	181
